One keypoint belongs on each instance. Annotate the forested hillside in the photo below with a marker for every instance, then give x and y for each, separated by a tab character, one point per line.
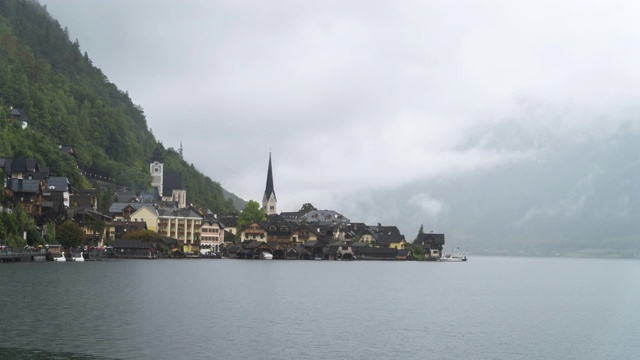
70	102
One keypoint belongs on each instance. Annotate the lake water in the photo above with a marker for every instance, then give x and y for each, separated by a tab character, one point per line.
486	308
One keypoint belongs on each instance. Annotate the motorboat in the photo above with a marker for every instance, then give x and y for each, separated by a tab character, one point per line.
267	255
455	257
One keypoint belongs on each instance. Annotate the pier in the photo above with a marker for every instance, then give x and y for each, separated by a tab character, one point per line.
20	256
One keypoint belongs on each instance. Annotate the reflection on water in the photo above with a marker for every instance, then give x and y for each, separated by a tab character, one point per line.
486	308
29	354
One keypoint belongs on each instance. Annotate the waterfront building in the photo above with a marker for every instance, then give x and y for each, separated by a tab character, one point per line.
183	225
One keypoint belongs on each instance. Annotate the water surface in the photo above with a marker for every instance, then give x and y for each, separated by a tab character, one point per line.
486	308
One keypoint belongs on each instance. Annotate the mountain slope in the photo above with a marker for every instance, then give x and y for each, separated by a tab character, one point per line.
70	102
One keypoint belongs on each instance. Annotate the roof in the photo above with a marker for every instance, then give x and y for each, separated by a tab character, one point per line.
386	235
118	207
157	155
23	185
324	217
172	180
430	238
19	114
178	213
229	221
268	191
58	183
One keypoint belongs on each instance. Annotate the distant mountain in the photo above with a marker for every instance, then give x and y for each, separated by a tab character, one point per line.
574	191
71	103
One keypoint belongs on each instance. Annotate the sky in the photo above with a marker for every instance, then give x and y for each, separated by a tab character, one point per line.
360	102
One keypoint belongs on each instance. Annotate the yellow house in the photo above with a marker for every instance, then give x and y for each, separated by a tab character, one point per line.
254	231
147	214
400	245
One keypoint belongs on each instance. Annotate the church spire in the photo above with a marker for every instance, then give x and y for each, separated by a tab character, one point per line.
269	199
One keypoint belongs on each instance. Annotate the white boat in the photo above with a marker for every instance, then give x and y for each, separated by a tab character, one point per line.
80	258
267	255
61	258
453	256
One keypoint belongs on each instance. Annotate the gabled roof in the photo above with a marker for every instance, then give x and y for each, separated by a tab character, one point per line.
19	114
430	238
23	185
58	183
157	155
178	213
324	217
386	235
116	208
172	180
229	221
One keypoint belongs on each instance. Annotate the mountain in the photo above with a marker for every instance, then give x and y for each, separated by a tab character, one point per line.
71	103
573	190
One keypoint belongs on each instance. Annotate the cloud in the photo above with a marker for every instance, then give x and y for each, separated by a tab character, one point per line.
356	98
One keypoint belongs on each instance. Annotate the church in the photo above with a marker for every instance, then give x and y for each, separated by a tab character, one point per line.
168	184
269	201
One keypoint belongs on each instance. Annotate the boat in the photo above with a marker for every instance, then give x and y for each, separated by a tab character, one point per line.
267	255
61	258
80	258
453	257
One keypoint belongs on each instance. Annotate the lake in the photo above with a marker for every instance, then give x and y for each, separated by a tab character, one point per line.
485	308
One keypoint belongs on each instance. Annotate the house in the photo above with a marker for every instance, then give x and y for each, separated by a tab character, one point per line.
323	217
404	254
304	233
389	236
147	214
56	197
255	248
338	251
116	230
254	231
375	253
27	192
211	234
183	225
230	223
21	116
279	230
432	245
134	249
93	225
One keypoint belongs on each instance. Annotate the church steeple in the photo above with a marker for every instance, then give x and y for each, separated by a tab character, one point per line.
269	200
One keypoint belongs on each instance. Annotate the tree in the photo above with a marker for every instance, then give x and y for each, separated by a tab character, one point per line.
68	234
143	235
307	207
421	231
252	212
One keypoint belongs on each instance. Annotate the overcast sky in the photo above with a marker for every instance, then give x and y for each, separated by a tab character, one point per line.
358	98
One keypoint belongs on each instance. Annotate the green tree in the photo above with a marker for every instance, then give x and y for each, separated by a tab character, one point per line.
307	207
143	235
252	212
68	234
418	252
420	231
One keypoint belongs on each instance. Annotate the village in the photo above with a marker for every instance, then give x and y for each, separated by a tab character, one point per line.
186	231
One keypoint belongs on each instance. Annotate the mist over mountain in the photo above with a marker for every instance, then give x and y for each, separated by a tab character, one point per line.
571	188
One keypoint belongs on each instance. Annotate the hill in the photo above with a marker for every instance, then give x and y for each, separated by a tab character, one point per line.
70	102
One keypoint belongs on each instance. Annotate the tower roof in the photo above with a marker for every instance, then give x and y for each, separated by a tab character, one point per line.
269	189
157	155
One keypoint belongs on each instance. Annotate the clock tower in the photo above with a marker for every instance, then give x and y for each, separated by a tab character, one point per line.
156	167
